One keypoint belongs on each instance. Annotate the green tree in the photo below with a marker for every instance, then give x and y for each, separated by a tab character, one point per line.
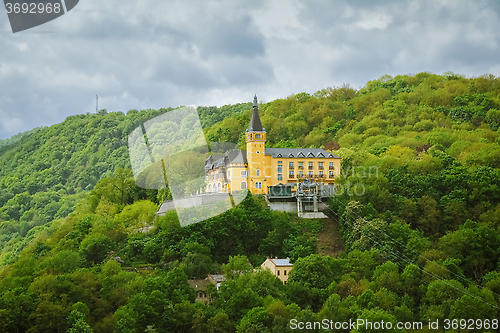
493	118
77	323
220	323
236	266
48	317
387	276
475	246
256	320
334	310
312	271
95	247
16	305
373	316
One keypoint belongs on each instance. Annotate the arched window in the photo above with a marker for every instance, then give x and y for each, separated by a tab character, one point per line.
219	187
243	185
257	172
209	188
257	136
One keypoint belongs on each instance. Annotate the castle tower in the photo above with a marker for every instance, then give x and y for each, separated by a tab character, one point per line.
255	137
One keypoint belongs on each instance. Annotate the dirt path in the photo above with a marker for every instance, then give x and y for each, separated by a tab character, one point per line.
330	241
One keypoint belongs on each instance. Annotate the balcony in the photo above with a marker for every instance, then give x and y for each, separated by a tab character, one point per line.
291	176
301	167
319	176
331	167
320	167
311	167
331	176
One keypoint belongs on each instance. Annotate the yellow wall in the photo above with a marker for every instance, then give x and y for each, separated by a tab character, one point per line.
235	177
256	161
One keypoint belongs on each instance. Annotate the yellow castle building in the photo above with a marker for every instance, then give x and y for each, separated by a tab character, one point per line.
259	169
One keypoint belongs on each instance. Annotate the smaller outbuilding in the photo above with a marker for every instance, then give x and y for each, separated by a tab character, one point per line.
200	286
279	267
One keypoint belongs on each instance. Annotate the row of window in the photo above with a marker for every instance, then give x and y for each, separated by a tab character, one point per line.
301	174
202	294
215	187
284	272
291	174
218	187
243	173
257	136
311	165
213	176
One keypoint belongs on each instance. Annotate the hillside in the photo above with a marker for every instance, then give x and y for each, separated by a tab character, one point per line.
418	208
46	171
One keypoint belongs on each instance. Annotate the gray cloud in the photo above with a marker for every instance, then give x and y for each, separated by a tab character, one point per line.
167	53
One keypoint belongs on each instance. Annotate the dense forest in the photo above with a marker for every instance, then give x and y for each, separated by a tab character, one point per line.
417	207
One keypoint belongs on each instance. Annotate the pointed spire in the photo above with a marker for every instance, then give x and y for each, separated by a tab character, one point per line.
255	124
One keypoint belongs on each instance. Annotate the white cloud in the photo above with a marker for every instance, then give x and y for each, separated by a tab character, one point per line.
23	47
371	21
280	19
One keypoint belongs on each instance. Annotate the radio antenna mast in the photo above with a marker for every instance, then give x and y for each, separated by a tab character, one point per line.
96	104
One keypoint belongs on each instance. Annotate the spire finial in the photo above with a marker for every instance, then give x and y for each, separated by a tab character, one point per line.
255	124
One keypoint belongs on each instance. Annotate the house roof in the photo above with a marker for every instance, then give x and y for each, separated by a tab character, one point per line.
211	160
236	157
281	262
217	277
299	153
230	157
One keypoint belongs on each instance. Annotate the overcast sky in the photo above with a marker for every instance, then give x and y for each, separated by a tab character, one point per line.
157	53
